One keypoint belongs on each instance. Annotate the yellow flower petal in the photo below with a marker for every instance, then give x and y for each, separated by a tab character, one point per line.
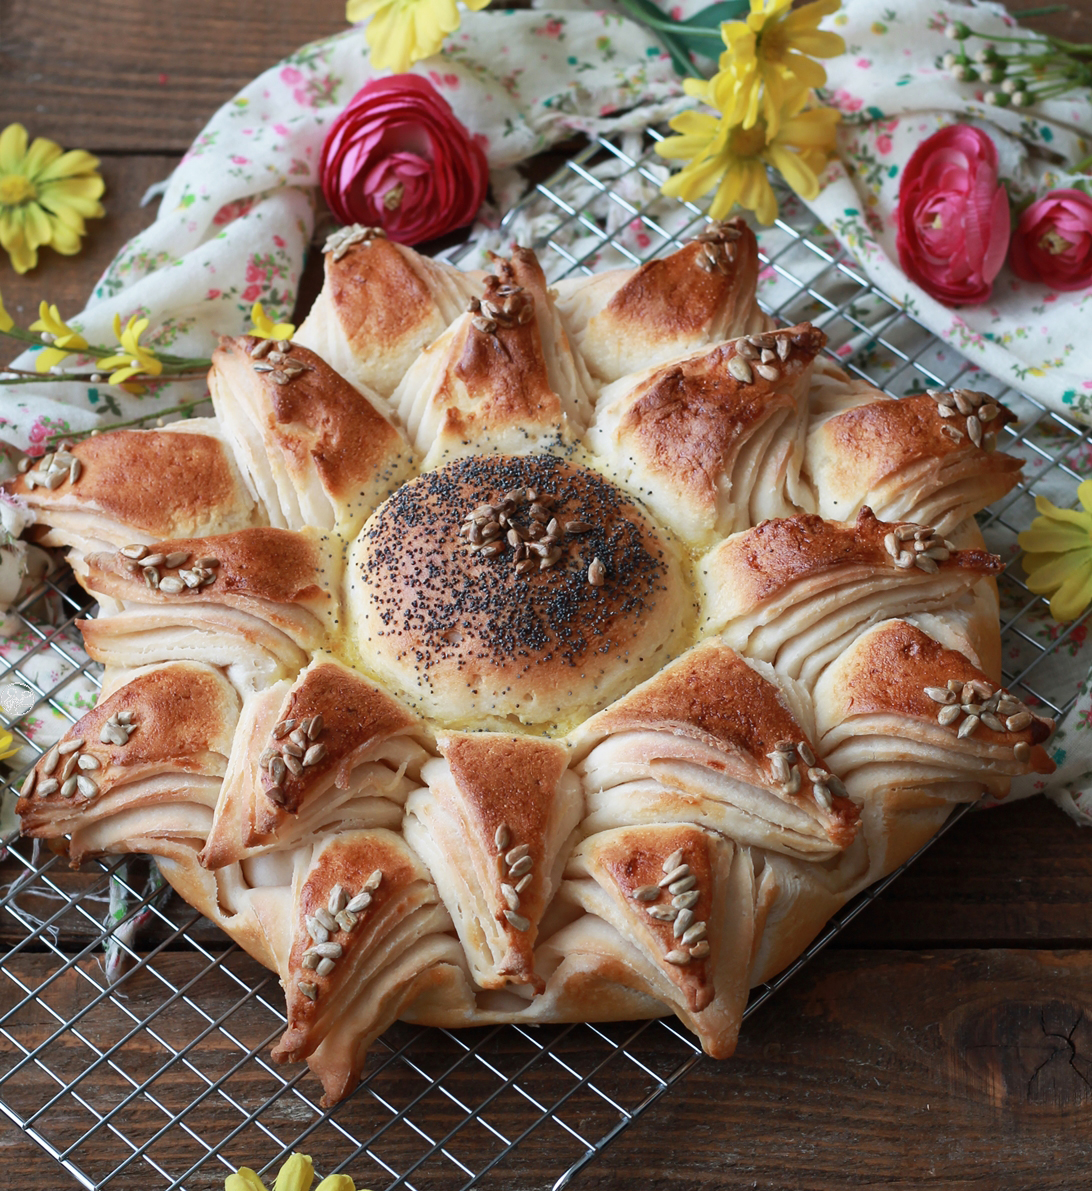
1051	511
62	238
341	1182
1044	537
244	1179
1084	495
297	1174
7	747
792	168
13	148
6	321
69	165
1074	595
1048	571
41	154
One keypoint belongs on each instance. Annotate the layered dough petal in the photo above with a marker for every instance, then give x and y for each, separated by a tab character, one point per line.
714	739
328	752
257	602
629	320
317	451
795	591
381	305
494	825
909	462
714	442
142	770
138	486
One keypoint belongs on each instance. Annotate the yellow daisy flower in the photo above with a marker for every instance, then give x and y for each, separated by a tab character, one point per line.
45	195
771	54
266	328
134	358
297	1174
62	339
733	159
402	32
7	746
1058	554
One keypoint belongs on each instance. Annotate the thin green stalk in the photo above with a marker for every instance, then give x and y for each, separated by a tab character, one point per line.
186	407
670	26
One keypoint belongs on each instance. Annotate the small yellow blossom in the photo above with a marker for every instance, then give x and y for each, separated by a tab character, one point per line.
769	55
297	1174
55	331
402	32
733	159
1058	554
134	358
266	328
45	196
7	746
6	321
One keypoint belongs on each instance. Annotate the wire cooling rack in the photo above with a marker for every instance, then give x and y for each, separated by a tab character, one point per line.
161	1079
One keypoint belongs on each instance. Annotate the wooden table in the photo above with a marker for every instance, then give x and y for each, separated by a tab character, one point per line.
946	1040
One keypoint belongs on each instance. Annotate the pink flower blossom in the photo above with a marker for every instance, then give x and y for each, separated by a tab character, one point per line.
252	293
291	76
883	143
1053	241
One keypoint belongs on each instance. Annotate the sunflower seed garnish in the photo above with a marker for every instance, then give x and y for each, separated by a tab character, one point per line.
974	431
86	786
276	794
283	728
663	913
517	853
940	694
27	788
700	949
310	960
1019	721
686	901
86	761
293	765
502	837
176	558
521	866
325	967
1021	750
68	788
510	896
309	990
683	920
678	957
968	727
315	754
135	552
374	881
740	369
597	573
678	872
291	749
49	761
346	919
49	786
70	746
694	934
646	893
361	902
171	585
337	900
517	921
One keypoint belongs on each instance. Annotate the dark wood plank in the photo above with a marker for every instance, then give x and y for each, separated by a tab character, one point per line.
142	76
959	1068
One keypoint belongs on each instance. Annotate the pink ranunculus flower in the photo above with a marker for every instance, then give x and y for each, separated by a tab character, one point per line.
953	216
1053	241
398	158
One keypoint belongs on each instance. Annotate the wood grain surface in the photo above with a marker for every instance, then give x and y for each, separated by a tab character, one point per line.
945	1041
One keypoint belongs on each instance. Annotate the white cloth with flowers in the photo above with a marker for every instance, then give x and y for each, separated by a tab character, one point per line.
237	218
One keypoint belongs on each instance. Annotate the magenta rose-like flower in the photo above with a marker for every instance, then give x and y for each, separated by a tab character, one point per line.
1053	241
953	217
397	158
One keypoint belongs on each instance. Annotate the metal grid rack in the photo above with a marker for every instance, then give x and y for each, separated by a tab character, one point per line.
161	1079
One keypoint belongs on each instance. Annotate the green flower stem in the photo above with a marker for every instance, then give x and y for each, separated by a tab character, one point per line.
669	26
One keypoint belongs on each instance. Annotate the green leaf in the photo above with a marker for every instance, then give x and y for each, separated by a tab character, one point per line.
708	21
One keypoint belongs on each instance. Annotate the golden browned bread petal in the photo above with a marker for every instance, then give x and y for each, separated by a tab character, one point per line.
714	442
316	449
262	599
901	710
483	387
139	485
493	827
144	765
567	372
360	910
713	739
909	463
681	902
382	303
632	319
323	754
794	591
467	631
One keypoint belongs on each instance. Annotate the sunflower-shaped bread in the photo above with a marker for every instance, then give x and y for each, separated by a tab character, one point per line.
501	653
